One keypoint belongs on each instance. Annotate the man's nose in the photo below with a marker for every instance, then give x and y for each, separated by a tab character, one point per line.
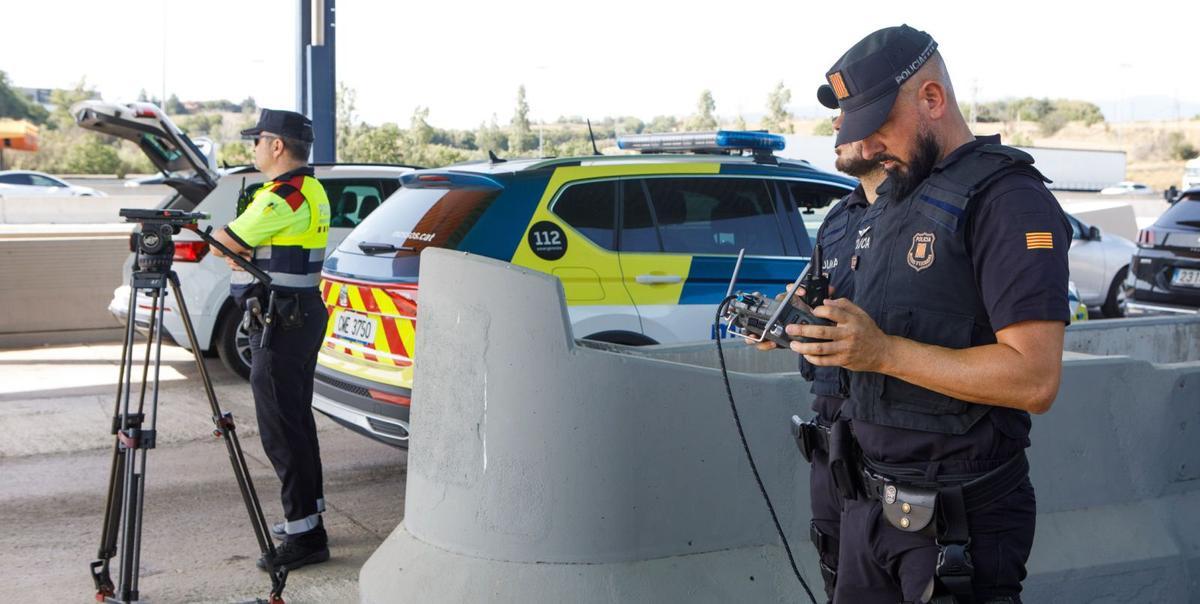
837	122
871	147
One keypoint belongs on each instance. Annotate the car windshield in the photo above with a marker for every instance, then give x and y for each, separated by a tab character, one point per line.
414	219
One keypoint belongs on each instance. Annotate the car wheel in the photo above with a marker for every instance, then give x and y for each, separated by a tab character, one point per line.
233	345
1118	296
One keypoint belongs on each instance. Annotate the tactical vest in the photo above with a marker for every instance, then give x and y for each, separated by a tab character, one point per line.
918	282
293	261
836	238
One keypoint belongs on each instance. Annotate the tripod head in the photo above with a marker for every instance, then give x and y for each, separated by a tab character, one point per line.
154	243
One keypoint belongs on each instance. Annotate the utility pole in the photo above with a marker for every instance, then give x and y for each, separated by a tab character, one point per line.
316	81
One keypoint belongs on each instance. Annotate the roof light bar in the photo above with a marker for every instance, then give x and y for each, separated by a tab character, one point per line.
721	140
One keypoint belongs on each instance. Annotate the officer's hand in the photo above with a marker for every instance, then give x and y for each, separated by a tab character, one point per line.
856	342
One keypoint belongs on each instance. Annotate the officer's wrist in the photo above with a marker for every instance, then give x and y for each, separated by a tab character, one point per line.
887	352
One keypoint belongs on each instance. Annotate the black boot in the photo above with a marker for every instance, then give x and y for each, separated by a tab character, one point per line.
300	550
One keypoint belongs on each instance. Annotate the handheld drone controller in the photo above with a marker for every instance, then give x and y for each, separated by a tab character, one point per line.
759	318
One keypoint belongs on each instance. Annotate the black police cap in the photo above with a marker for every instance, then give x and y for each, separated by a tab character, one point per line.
284	123
864	82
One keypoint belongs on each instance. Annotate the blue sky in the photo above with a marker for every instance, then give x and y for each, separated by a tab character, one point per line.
464	60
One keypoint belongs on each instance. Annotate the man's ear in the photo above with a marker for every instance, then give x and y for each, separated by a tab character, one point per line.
933	99
277	148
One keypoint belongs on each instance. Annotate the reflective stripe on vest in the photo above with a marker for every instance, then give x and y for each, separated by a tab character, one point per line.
293	261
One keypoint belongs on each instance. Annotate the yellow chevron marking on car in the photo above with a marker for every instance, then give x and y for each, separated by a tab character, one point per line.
608	265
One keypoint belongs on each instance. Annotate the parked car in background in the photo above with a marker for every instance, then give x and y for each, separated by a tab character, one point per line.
1127	188
354	192
1099	263
1191	174
25	183
644	246
1166	265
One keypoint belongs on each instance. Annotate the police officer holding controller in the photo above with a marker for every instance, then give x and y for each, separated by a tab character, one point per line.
284	231
830	385
953	338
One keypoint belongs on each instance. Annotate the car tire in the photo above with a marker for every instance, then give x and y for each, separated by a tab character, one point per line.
233	345
1114	304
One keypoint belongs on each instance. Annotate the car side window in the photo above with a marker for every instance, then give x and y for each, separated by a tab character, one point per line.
353	199
810	196
16	179
1076	228
715	216
41	181
637	223
591	209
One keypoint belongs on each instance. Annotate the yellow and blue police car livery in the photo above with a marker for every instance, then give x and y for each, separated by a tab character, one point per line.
644	246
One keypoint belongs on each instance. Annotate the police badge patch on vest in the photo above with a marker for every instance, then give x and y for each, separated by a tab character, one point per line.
920	254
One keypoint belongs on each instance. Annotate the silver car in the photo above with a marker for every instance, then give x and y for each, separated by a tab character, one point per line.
1099	263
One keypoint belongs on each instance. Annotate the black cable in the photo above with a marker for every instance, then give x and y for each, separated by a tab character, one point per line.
746	446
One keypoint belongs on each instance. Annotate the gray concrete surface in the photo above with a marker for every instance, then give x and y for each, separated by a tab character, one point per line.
70	210
542	469
59	278
55	404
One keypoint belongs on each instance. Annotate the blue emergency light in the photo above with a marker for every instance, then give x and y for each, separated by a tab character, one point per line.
720	141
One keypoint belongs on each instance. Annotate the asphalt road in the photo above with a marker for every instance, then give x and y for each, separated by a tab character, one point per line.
55	405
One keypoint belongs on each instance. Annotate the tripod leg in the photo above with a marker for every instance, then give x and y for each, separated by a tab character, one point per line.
227	429
116	474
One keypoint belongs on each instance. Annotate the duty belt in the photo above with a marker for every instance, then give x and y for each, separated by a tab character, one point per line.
810	436
939	508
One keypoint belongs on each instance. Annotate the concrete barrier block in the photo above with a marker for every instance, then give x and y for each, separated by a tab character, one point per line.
545	469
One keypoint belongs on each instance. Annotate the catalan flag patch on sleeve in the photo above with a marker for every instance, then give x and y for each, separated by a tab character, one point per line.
1040	240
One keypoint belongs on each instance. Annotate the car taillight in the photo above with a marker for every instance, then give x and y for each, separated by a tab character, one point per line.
190	251
1146	238
395	399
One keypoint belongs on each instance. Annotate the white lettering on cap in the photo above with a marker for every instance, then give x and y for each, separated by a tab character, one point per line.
912	68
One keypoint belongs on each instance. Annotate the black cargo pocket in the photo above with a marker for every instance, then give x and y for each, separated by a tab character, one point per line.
928	327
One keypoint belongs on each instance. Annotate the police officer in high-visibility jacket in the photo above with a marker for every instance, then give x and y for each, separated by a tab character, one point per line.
283	231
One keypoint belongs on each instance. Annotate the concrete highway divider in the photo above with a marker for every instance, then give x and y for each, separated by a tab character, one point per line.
70	210
59	278
542	468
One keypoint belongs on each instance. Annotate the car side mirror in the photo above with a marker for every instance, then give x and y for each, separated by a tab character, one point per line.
1170	194
1094	233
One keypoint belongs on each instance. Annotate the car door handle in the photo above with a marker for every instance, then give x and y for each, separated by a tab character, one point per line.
657	279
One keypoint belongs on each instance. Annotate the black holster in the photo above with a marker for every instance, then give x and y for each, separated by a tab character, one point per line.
844	459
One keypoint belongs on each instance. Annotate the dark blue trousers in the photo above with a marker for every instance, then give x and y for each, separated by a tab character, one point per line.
281	377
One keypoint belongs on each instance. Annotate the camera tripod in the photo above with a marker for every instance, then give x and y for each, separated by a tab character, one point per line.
134	428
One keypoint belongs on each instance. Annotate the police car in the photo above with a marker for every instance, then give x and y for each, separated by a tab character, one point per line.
354	191
644	245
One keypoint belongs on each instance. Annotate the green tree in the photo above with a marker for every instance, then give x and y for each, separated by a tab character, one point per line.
739	123
374	145
248	105
489	137
14	105
662	123
93	156
823	128
704	118
63	99
174	106
419	131
520	134
778	118
235	154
